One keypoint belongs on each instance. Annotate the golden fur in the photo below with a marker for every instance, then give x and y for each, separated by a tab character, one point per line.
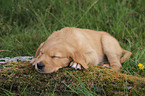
83	46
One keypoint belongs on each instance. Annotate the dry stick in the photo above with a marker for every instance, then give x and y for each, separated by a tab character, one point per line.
3	50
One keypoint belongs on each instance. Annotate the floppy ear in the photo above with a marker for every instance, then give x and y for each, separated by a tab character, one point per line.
79	58
38	49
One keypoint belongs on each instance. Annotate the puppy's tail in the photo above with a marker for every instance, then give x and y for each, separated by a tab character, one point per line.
126	56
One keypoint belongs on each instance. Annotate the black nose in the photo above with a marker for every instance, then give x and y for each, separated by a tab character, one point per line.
40	65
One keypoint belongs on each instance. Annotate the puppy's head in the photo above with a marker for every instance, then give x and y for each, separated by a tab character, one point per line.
50	57
57	52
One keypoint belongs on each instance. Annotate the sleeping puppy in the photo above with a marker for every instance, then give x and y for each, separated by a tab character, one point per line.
82	47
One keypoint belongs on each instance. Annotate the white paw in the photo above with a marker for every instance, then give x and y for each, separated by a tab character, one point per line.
106	66
75	65
32	62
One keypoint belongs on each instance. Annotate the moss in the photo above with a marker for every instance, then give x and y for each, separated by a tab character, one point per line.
17	76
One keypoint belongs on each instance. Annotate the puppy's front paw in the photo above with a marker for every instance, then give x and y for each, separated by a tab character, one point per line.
106	66
32	61
75	65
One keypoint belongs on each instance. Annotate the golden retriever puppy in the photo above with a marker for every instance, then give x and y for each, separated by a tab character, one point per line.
82	47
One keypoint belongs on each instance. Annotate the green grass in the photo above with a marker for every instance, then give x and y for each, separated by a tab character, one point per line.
24	24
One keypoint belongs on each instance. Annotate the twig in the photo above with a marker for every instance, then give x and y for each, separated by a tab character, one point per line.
3	50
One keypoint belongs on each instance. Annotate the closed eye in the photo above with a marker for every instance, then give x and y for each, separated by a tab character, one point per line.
57	57
53	56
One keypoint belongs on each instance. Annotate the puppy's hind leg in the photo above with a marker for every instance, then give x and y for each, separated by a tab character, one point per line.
113	51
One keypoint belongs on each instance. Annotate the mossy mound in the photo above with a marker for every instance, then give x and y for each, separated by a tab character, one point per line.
17	76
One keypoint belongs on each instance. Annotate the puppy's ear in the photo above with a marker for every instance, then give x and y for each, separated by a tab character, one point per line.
38	50
79	58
